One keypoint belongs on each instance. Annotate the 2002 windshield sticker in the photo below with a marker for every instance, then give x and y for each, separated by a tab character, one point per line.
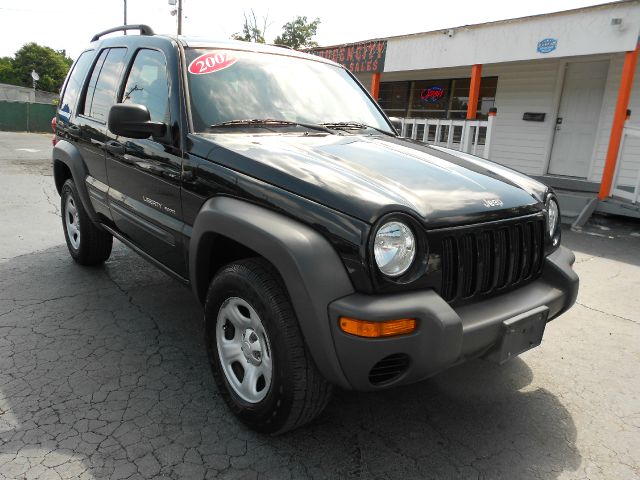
212	62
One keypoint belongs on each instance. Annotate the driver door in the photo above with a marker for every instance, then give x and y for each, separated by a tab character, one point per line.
145	174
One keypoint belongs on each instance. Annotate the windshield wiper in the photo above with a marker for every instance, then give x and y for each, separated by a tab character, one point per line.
354	126
269	122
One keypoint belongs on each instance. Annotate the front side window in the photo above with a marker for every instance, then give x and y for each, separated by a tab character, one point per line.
234	85
147	84
101	92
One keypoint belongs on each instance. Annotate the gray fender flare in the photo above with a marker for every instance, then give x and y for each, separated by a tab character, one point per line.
311	269
67	153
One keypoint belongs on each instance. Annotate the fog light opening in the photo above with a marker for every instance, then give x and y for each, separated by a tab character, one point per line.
388	369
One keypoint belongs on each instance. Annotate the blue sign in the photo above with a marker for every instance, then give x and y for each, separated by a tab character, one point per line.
547	45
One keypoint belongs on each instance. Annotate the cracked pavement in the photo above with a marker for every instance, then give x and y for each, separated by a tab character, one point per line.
103	374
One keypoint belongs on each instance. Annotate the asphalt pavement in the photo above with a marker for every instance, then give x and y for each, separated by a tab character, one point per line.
103	374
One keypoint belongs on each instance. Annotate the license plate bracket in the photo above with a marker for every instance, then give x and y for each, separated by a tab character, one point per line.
519	334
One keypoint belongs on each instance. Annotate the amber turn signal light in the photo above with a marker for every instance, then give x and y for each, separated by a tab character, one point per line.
386	328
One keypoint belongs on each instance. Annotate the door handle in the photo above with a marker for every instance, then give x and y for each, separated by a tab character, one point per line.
188	176
114	147
73	131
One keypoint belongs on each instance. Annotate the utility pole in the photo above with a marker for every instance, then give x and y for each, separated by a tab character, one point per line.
179	17
125	15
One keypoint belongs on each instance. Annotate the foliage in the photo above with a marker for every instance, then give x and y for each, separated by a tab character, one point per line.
50	64
251	32
7	75
298	33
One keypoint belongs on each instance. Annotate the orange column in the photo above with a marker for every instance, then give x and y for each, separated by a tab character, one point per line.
375	85
620	115
474	91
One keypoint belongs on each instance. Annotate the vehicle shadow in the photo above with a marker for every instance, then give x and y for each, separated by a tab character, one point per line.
103	374
477	420
595	242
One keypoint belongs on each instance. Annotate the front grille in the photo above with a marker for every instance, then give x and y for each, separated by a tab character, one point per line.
482	260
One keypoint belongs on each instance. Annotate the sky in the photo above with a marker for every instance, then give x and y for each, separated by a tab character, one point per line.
70	24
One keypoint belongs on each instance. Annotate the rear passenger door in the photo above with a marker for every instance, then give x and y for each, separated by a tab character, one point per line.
145	174
91	121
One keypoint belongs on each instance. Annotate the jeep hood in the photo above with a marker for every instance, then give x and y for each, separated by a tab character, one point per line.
368	176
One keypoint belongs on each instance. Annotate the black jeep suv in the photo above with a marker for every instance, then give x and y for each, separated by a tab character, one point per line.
325	249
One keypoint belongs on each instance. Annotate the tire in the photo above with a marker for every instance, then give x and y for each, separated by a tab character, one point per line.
248	297
87	243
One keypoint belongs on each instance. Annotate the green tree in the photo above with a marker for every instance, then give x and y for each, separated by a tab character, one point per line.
7	75
52	66
298	33
251	32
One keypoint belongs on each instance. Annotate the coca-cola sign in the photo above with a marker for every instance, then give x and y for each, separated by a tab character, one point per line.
431	94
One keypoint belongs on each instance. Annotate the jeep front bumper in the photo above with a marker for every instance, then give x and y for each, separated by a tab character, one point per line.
445	335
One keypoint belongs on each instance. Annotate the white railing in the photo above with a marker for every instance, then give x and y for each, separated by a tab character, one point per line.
626	183
471	136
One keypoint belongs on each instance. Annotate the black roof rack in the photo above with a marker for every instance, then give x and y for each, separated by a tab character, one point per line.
280	45
144	30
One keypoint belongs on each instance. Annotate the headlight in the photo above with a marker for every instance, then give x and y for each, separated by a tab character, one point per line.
553	216
394	248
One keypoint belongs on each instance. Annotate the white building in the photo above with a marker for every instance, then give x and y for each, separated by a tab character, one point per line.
561	84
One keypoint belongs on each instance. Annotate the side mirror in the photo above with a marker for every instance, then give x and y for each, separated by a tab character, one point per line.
134	121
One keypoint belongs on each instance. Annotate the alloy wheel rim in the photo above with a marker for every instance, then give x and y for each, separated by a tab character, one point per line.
72	222
244	350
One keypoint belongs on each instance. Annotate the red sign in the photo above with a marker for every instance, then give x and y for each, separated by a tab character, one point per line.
357	57
431	94
212	62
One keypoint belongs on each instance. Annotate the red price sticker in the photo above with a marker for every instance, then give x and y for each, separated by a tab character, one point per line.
212	62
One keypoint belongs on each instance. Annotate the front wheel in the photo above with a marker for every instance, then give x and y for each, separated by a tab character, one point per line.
257	352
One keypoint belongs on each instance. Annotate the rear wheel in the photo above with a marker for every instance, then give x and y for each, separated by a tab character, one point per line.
257	352
87	243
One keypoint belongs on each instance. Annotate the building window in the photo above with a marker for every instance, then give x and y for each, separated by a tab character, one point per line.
488	87
430	98
394	97
446	98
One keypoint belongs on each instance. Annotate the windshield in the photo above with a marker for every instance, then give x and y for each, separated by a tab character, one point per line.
227	85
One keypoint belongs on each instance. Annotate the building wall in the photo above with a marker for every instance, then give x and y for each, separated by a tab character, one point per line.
365	80
583	31
536	86
14	93
630	159
524	87
530	80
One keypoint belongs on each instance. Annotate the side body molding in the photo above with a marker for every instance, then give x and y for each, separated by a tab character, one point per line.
310	268
67	153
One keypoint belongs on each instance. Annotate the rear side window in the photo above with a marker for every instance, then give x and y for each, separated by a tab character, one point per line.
147	84
73	88
101	92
